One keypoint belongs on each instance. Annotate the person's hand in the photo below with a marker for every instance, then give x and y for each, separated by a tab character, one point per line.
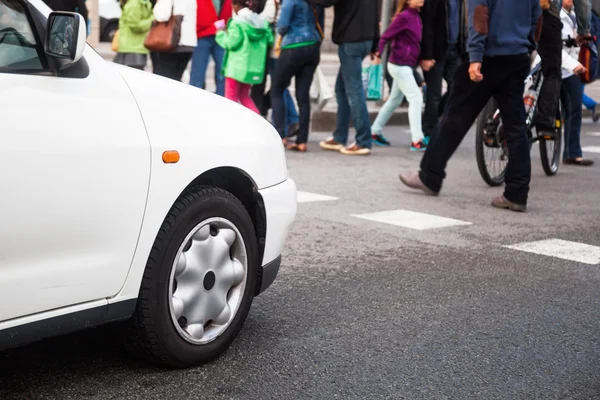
581	39
376	60
427	65
475	72
375	55
220	24
579	70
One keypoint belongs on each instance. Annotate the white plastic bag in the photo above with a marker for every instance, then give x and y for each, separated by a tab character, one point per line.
320	92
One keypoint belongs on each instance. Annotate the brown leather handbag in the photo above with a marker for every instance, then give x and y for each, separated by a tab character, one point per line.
164	36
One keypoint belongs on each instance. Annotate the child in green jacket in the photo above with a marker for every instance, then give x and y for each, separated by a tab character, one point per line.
134	25
246	42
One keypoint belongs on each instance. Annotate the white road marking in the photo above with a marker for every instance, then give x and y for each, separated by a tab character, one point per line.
306	197
592	134
563	249
412	219
591	149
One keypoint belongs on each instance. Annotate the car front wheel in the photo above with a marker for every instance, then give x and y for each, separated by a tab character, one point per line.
199	282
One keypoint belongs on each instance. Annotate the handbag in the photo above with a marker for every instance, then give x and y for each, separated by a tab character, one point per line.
164	36
373	81
114	45
588	57
320	91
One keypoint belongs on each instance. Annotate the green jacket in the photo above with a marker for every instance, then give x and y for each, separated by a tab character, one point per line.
246	42
134	25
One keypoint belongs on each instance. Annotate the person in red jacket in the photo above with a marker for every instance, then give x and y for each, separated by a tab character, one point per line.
209	12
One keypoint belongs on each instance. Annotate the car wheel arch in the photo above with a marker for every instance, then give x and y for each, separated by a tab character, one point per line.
242	186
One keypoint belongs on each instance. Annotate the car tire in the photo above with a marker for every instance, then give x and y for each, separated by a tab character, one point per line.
156	331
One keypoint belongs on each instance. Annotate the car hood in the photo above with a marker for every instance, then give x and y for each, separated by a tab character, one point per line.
208	130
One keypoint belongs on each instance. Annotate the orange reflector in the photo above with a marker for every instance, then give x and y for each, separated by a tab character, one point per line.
170	157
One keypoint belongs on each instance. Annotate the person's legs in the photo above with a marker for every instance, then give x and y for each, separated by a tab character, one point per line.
342	120
200	59
183	60
232	90
588	102
433	78
304	77
550	51
218	53
258	91
392	103
245	98
292	116
509	97
453	61
464	105
351	69
404	78
280	81
571	94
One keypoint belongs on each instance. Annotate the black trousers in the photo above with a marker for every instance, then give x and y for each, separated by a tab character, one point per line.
550	51
503	79
257	93
301	63
434	102
171	65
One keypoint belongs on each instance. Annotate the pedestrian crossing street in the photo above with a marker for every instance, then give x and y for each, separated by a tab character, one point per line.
558	248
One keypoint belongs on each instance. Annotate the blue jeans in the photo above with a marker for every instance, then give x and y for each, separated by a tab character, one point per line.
291	115
571	93
588	102
207	46
350	94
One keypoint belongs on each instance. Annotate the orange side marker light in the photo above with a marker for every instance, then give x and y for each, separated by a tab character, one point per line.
170	157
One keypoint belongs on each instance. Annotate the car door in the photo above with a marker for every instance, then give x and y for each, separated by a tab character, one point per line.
74	174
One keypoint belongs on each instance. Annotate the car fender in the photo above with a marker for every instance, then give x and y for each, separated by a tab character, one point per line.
209	132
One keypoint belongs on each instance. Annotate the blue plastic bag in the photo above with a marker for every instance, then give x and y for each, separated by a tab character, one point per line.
373	81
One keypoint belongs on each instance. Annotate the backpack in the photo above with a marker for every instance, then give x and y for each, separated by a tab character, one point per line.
588	55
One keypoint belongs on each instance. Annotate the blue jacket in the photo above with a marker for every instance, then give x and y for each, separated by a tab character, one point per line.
297	22
502	27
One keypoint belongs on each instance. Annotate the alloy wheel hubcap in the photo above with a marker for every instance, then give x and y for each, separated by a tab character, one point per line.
208	280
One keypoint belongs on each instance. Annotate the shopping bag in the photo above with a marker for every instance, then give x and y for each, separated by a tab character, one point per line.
115	42
373	81
320	92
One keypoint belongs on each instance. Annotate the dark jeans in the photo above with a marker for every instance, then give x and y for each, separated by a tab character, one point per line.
442	70
301	63
550	51
260	98
350	94
171	65
503	78
571	93
207	47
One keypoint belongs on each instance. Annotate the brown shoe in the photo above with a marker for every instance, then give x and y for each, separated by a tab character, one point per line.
355	150
297	147
413	181
331	145
502	202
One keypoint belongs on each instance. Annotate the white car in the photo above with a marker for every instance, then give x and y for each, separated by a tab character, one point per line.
126	196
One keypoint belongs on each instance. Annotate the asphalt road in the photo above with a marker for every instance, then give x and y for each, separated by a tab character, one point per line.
370	310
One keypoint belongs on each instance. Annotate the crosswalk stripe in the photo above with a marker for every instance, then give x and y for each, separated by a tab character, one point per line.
412	219
592	134
591	149
306	197
563	249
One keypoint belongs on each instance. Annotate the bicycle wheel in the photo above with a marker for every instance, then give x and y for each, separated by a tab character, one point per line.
490	145
550	148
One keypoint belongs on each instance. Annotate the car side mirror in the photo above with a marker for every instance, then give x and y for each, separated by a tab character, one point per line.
65	38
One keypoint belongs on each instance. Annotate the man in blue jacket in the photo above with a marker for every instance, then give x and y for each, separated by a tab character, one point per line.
502	34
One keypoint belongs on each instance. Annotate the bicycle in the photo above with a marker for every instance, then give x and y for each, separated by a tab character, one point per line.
490	143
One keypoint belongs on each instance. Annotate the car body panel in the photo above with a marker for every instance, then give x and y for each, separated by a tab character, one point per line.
75	164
